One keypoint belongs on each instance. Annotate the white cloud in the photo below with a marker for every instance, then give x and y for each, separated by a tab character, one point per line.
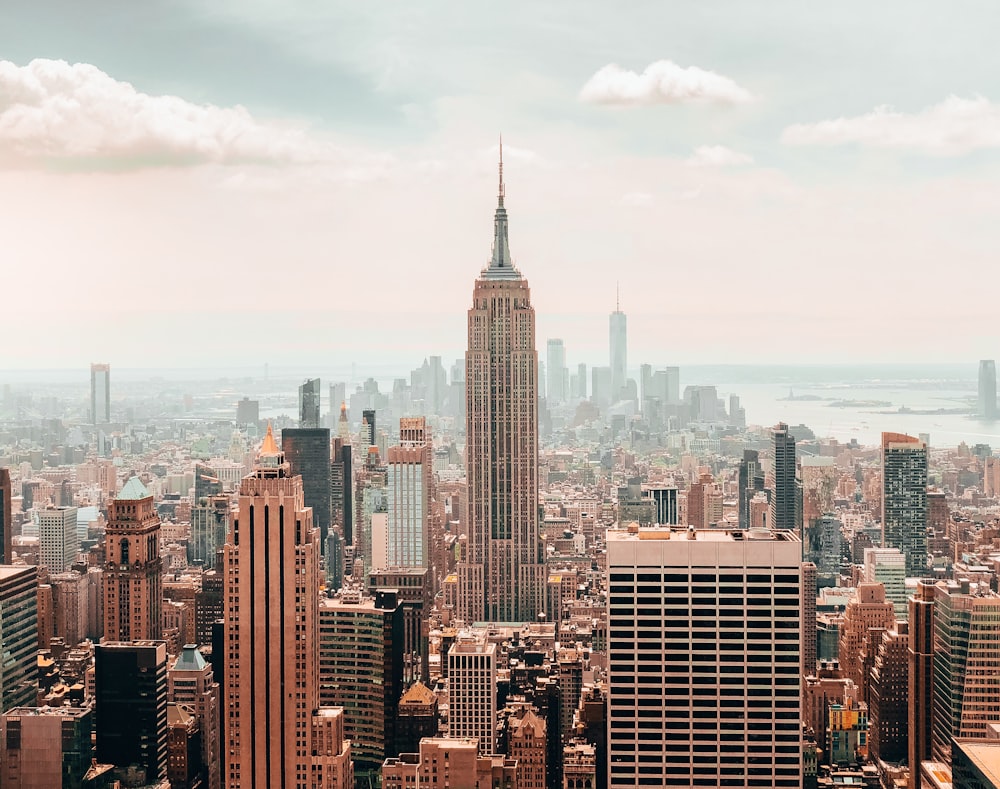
717	156
662	82
53	111
951	128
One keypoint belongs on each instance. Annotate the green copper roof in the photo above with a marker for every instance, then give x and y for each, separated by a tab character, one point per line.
190	659
133	491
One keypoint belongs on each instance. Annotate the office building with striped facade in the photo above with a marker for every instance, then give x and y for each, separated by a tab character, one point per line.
704	650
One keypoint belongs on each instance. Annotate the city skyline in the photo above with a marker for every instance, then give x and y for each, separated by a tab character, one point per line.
644	152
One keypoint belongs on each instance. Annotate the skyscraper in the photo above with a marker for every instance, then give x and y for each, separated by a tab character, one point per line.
6	537
618	335
556	371
100	393
920	677
750	480
18	636
783	514
503	576
131	705
309	403
472	675
134	569
307	451
904	499
987	389
703	659
361	670
58	542
408	494
966	697
273	717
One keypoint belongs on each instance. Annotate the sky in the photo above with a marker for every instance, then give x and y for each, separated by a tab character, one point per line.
240	182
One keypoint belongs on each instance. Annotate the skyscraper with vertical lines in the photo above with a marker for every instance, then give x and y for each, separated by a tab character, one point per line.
274	724
502	577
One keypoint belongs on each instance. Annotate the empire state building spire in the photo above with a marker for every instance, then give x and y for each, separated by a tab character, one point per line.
501	266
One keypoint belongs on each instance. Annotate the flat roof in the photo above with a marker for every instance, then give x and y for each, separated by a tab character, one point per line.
985	755
702	535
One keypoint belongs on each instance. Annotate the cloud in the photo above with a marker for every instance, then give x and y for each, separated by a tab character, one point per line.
951	128
717	156
54	112
662	82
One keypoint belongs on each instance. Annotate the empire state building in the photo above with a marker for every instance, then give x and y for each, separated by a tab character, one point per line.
502	576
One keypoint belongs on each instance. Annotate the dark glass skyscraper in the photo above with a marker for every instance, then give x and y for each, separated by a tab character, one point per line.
307	451
6	538
131	705
309	403
18	637
783	503
751	479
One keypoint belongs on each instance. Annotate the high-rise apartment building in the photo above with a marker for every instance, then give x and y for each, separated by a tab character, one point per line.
408	501
703	657
557	375
18	636
58	541
6	526
309	403
130	686
618	344
887	566
888	705
472	673
133	571
987	401
100	393
361	670
307	451
783	509
503	576
966	664
904	499
273	719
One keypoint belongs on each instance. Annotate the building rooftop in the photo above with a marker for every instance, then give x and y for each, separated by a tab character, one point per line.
13	570
190	659
985	755
134	490
634	533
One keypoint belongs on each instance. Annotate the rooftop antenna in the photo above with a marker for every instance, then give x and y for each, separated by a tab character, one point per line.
618	300
500	195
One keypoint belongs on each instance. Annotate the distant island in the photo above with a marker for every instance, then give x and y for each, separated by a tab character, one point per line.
859	404
792	397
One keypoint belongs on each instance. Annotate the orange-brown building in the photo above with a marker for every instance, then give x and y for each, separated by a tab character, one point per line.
132	576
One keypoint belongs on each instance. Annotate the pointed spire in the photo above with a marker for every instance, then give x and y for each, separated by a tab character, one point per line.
500	193
270	446
501	266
